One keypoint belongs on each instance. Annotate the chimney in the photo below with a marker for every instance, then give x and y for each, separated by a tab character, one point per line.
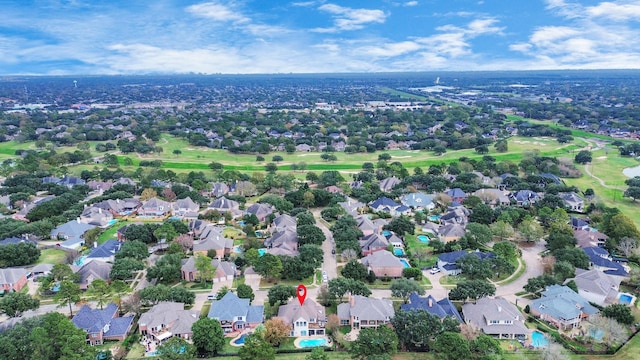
352	301
430	301
95	244
78	220
99	210
499	308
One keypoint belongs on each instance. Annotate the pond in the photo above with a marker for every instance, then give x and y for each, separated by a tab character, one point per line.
631	172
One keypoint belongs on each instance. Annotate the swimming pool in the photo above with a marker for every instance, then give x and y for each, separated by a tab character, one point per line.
386	233
434	218
241	223
240	340
80	261
596	334
313	342
112	221
423	238
405	263
398	251
627	299
237	249
539	340
262	251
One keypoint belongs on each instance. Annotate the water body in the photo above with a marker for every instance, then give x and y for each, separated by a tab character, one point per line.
631	172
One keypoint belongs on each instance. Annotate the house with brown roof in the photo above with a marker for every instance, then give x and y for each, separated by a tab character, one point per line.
362	312
155	207
92	270
383	264
261	211
308	319
225	270
167	319
185	209
12	279
94	215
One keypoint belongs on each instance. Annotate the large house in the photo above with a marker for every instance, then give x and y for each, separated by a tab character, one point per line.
225	270
261	211
102	324
363	312
372	243
94	215
383	264
236	314
71	233
283	243
418	201
496	317
448	262
572	201
92	270
105	252
167	319
308	319
155	207
185	209
600	259
443	308
12	279
209	238
597	287
562	307
120	207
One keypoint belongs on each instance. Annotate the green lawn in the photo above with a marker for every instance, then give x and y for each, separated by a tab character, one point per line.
110	232
51	256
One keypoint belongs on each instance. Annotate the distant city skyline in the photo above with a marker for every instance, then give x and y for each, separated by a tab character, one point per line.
91	37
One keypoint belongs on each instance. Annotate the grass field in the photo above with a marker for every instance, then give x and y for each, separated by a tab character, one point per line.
51	256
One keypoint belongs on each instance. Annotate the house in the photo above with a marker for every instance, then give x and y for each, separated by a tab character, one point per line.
236	314
493	197
100	186
261	211
16	240
243	188
383	264
308	319
333	189
219	189
448	262
443	308
600	259
389	183
352	207
303	148
71	232
185	209
167	319
562	307
579	223
525	197
154	207
94	215
12	279
120	207
451	232
362	312
105	252
283	243
283	222
225	205
367	226
456	194
455	215
41	269
418	201
496	317
597	287
590	238
92	270
102	324
212	239
384	204
572	201
372	243
225	270
71	181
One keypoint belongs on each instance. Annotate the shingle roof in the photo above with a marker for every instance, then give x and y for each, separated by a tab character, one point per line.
308	310
231	306
11	275
367	309
487	309
94	320
442	308
381	258
562	303
107	249
384	202
170	314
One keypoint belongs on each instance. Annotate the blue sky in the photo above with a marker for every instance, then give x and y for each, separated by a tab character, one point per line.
61	37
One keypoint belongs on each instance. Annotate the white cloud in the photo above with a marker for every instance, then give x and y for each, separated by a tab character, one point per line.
218	12
410	3
350	19
615	11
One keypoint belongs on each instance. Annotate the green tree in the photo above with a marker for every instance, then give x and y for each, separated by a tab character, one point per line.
485	347
530	230
477	235
401	225
245	292
340	286
374	342
123	268
68	293
256	347
100	291
583	157
317	354
15	303
451	346
176	348
354	269
402	288
417	328
269	266
563	270
205	268
482	214
539	283
506	250
501	230
133	249
311	254
310	235
472	289
620	312
280	294
222	292
412	273
474	268
208	336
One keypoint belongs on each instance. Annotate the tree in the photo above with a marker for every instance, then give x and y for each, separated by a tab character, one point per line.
627	246
245	291
317	354
472	289
355	270
325	298
485	347
280	293
167	269
68	293
208	336
555	351
340	286
575	256
501	146
176	348
269	266
275	330
583	157
506	250
613	332
256	347
539	283
101	291
482	214
620	226
205	268
477	235
632	192
15	303
416	328
412	273
148	194
474	267
373	342
452	346
123	268
222	292
311	254
563	270
310	234
133	249
330	177
620	312
530	230
401	225
501	230
348	255
402	288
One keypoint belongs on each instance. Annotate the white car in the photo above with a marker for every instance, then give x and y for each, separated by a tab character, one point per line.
434	270
325	277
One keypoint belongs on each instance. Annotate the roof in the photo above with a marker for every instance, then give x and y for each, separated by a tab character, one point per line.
600	257
561	302
72	229
597	282
94	320
417	200
487	309
231	306
11	275
389	183
365	308
373	241
94	270
260	210
293	311
224	204
449	230
442	308
384	202
526	195
107	249
454	256
456	193
170	314
186	203
15	240
382	258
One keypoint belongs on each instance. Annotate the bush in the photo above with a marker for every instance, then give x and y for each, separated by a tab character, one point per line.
130	340
412	272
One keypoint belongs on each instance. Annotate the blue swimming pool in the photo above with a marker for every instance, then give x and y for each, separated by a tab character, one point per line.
313	342
434	218
626	299
398	251
240	340
112	221
596	334
262	251
241	223
237	249
423	238
386	233
80	261
405	263
539	340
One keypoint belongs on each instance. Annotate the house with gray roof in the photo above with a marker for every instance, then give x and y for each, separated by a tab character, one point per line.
526	197
562	306
120	207
12	279
102	324
590	238
455	215
185	209
456	194
211	239
572	201
167	319
219	189
283	243
225	205
236	314
383	264
155	207
105	252
92	270
418	201
389	183
451	232
72	233
283	222
443	308
225	270
308	319
597	287
363	312
261	211
496	317
493	197
352	207
94	215
372	243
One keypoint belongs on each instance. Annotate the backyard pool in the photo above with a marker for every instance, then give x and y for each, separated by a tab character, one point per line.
237	249
240	340
262	251
306	343
627	299
596	334
405	263
434	218
539	340
423	238
386	233
112	221
398	251
80	261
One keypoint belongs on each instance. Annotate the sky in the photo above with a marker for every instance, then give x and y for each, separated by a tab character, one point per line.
69	37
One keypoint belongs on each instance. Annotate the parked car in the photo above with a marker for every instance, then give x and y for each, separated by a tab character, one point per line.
434	270
325	277
211	297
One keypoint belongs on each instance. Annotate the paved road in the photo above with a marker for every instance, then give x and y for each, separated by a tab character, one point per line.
534	268
330	265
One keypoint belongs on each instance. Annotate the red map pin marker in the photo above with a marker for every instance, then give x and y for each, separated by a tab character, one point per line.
302	293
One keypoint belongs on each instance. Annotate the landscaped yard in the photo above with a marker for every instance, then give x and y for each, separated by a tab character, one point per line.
51	256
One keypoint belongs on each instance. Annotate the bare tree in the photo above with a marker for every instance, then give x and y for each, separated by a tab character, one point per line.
470	331
613	332
555	351
627	246
349	254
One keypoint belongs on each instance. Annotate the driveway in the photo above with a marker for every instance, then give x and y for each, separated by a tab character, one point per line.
534	268
438	291
330	265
